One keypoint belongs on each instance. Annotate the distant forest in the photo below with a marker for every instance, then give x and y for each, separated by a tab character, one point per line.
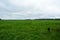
32	19
43	19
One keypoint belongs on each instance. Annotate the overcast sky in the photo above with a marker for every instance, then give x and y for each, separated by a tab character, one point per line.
25	9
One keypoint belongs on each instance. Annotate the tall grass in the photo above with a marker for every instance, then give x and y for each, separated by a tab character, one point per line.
29	30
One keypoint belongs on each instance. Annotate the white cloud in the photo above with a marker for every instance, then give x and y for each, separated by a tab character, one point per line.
31	8
44	5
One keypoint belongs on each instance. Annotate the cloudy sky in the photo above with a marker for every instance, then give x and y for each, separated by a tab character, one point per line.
29	9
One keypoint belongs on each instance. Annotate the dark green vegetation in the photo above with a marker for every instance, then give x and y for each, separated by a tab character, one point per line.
29	30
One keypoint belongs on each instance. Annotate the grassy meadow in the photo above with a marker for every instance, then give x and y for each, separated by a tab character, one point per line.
29	30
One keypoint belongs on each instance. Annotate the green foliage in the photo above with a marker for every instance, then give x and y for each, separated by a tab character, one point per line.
29	30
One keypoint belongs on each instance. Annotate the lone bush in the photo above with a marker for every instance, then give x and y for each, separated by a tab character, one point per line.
0	19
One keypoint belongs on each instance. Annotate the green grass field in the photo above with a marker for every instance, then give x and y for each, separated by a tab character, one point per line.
29	30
